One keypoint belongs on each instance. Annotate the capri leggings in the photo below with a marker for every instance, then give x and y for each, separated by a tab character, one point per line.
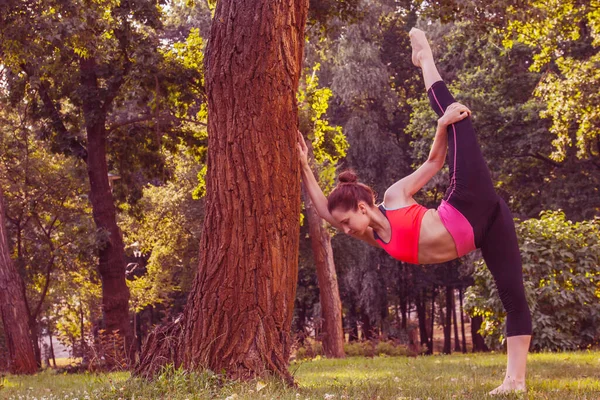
472	193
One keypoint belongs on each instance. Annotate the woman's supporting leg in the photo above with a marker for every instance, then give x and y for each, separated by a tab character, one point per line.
471	190
501	253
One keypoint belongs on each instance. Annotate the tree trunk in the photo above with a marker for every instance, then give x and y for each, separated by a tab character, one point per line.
35	338
433	296
422	317
478	341
352	323
455	323
239	313
329	293
111	265
13	309
52	348
402	294
462	320
448	324
367	327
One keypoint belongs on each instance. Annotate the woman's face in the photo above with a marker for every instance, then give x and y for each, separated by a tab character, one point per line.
353	222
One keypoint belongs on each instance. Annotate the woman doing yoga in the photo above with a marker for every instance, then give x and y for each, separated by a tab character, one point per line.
470	216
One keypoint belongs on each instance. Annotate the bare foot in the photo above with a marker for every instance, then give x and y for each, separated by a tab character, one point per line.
509	386
420	46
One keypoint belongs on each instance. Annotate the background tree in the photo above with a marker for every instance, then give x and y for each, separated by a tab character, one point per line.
330	145
13	309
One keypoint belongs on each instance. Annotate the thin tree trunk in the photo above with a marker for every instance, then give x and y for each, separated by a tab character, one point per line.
448	324
462	320
367	328
433	296
35	338
353	324
422	317
111	266
84	355
455	323
52	348
478	341
13	309
329	293
403	296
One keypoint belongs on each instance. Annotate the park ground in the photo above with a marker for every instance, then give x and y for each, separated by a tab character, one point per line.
561	376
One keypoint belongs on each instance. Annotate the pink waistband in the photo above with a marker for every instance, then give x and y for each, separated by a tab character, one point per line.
459	227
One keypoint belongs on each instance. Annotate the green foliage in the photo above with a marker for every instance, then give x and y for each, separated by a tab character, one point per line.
50	227
167	228
565	36
561	269
76	307
328	142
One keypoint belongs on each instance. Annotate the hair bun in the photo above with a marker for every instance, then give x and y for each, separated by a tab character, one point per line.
347	177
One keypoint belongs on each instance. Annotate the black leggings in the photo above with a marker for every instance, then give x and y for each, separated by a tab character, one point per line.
472	193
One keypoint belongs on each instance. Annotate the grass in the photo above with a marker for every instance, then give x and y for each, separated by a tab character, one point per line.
560	376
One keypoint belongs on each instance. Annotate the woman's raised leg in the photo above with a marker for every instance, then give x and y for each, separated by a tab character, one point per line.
471	191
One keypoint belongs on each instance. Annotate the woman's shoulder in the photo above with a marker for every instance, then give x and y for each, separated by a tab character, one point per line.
397	205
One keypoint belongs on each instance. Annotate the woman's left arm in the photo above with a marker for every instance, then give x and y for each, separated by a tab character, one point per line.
402	191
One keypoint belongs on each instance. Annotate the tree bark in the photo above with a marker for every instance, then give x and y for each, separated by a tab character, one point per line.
462	320
422	317
329	293
455	323
52	348
13	309
478	341
111	265
433	296
403	295
239	313
448	324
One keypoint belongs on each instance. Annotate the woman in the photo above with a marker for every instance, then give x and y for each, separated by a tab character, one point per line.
470	216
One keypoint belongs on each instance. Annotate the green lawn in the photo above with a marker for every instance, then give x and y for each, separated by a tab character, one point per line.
558	376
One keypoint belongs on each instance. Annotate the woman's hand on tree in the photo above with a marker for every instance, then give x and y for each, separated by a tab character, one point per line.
454	113
302	149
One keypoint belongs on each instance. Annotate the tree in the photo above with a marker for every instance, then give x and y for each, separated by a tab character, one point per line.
13	309
239	311
76	66
330	146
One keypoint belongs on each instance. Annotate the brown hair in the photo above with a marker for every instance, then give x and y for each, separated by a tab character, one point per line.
349	192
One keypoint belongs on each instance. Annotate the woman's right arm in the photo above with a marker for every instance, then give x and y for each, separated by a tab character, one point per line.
318	198
312	186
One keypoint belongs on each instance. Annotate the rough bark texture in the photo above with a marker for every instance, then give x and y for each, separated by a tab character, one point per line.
240	309
115	293
13	309
329	293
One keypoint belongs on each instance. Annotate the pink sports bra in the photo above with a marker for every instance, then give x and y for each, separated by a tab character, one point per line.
406	226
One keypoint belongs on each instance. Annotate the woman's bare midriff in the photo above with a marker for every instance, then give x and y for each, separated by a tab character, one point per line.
436	245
